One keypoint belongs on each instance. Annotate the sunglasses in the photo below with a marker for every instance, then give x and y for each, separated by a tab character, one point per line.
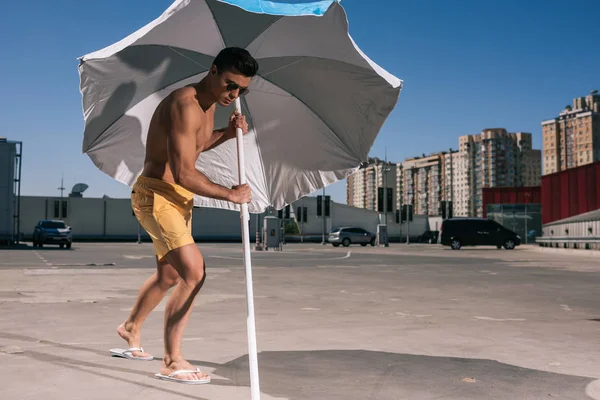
231	86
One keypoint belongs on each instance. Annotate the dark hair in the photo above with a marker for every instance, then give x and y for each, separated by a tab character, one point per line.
236	58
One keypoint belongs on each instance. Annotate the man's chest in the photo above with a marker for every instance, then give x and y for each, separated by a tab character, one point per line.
204	134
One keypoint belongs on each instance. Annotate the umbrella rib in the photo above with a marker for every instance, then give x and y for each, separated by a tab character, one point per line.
187	58
263	31
258	34
346	147
212	14
283	67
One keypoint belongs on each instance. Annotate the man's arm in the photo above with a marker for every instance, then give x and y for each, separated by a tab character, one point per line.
220	136
181	149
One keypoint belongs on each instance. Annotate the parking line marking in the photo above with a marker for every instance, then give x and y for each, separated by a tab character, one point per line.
41	258
348	254
137	257
499	319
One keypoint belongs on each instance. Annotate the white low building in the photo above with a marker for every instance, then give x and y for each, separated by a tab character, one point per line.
113	219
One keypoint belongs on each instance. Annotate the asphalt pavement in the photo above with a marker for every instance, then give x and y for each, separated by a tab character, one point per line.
400	322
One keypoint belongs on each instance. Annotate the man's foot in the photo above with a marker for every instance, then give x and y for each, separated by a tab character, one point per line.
133	339
182	365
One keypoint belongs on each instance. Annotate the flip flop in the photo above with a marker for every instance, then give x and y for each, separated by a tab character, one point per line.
128	353
172	377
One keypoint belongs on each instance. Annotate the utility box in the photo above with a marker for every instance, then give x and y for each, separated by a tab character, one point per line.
8	197
272	233
382	235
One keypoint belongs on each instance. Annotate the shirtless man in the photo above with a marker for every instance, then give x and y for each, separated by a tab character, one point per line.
162	199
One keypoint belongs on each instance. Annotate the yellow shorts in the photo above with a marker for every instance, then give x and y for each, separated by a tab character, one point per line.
164	210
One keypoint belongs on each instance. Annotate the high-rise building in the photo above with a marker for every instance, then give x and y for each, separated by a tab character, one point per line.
366	187
426	181
452	179
355	189
400	198
422	183
573	138
493	158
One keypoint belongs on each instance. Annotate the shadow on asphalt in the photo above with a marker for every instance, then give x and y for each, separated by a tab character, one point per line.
361	374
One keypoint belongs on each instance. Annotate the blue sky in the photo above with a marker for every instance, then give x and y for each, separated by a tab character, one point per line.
466	65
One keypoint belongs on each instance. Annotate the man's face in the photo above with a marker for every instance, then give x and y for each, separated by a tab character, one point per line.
229	86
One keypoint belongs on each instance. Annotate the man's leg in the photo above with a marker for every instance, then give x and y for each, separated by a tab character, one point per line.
151	294
189	263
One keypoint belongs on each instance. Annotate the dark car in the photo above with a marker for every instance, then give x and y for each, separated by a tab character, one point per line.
351	235
459	232
52	232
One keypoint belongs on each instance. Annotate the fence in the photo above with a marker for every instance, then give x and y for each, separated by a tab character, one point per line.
523	219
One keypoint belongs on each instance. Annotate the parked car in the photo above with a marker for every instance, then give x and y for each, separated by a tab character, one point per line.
429	237
459	232
52	232
351	235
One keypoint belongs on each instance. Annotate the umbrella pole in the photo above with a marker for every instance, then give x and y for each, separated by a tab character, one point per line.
245	218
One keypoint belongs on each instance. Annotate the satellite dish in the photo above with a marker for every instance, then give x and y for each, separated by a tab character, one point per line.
78	189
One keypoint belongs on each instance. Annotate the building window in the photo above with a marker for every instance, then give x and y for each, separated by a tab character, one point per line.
58	207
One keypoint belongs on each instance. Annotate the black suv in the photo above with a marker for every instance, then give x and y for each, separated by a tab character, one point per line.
459	232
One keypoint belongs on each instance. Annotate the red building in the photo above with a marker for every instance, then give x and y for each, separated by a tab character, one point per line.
570	192
511	195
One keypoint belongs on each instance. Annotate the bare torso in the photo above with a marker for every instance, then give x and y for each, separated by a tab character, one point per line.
156	163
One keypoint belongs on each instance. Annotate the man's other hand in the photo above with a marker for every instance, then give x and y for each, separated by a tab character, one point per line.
236	120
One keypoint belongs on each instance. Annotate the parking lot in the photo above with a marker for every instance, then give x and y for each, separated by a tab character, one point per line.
402	322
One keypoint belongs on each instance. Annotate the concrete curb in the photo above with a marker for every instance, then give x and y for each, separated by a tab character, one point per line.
577	252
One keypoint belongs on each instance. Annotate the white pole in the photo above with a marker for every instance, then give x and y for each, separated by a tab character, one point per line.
323	215
245	218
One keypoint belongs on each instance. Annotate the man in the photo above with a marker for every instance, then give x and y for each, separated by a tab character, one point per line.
162	199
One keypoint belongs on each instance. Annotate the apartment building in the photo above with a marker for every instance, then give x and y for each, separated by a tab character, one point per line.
426	181
362	188
421	183
494	158
573	138
453	182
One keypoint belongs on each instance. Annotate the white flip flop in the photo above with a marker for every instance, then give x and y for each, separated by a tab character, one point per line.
128	353
172	377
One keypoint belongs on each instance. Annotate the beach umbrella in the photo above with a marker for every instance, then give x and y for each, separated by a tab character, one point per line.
314	109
